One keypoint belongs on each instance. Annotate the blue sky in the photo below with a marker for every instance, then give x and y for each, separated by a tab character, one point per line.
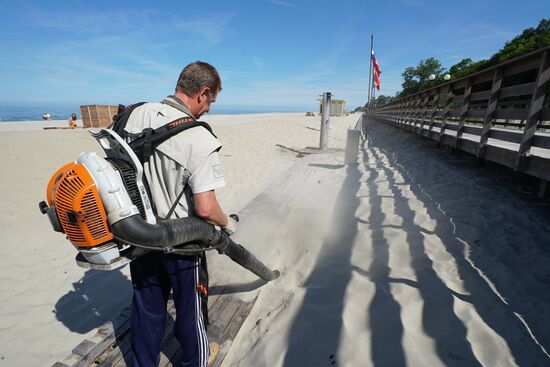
271	54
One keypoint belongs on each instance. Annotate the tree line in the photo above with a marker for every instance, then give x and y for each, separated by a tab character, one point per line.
417	78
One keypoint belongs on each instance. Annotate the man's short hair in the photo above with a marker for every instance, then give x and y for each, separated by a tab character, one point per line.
196	76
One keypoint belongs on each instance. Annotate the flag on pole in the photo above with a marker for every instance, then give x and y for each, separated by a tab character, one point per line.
376	70
376	81
375	63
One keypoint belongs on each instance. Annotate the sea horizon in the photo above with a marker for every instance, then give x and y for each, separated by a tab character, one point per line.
62	111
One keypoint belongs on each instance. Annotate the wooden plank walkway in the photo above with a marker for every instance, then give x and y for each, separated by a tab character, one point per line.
111	346
232	294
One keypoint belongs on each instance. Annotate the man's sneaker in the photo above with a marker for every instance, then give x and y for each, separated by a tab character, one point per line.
214	350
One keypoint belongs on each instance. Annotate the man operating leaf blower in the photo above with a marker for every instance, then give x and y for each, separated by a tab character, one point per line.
152	202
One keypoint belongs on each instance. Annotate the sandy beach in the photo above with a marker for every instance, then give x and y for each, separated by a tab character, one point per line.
415	256
49	303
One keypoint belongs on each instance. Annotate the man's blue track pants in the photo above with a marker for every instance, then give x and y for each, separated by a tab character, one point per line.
153	276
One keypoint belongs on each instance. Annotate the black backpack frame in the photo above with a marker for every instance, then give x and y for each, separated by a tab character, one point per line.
145	143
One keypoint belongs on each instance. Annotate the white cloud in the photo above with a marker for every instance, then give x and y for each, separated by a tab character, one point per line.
282	3
211	29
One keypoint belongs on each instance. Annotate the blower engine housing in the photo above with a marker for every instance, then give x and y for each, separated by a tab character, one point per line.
85	197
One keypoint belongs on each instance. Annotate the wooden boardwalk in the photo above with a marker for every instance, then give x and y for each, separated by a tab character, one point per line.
500	114
110	346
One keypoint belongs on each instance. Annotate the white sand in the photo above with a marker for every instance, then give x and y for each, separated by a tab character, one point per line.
415	256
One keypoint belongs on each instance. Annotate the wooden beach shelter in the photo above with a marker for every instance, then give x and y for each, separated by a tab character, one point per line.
97	115
337	107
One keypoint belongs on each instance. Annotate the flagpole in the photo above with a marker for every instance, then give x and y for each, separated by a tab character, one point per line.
370	70
372	96
374	93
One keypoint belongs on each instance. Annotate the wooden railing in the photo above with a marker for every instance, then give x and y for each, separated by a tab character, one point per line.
500	114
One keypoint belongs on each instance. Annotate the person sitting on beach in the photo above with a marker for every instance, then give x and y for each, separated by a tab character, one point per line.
46	116
72	120
183	173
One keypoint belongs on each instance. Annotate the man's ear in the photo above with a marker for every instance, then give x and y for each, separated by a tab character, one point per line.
205	93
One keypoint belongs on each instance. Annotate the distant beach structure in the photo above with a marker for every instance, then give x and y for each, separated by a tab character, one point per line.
337	107
97	115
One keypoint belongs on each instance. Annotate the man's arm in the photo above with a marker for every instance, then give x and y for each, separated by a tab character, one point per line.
208	208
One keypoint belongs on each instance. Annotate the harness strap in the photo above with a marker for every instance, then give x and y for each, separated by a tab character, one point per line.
171	211
121	118
147	144
203	287
150	139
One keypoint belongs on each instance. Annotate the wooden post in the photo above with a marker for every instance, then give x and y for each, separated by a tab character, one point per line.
406	113
433	111
352	146
403	113
419	112
395	110
414	114
464	110
537	102
445	114
490	112
411	113
416	111
425	113
436	107
325	119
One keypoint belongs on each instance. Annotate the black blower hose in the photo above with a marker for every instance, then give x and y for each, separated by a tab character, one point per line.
177	232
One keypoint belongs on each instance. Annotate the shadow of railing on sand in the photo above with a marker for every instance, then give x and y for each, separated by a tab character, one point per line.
495	294
328	280
438	317
384	311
